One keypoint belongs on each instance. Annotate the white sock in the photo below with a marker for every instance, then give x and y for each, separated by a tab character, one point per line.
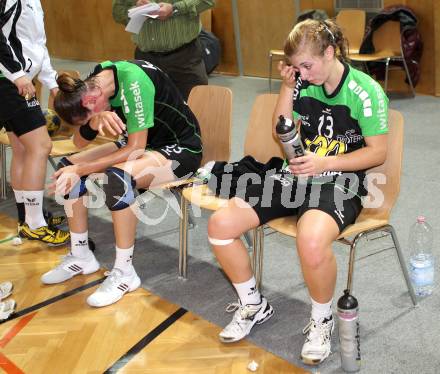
248	292
33	204
320	311
19	198
124	259
79	244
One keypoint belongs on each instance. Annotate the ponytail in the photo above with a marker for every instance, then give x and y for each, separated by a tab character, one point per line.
67	102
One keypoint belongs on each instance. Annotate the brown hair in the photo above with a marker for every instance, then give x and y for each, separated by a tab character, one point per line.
318	36
67	102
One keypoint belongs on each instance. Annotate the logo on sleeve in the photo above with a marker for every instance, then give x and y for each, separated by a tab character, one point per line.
139	112
124	100
363	95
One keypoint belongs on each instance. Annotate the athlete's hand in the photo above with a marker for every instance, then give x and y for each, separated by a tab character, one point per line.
54	91
25	87
107	122
287	73
165	11
142	2
308	165
64	179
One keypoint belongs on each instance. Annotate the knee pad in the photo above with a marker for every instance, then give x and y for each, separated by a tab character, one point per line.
214	241
119	190
79	189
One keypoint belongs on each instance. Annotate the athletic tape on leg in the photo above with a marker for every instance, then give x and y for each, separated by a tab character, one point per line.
119	190
79	189
214	241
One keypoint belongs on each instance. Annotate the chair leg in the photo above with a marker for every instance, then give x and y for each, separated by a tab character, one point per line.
177	193
408	76
254	247
352	259
249	239
412	294
52	163
270	72
260	243
183	237
3	171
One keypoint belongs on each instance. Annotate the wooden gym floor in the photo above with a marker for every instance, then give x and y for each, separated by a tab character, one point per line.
55	331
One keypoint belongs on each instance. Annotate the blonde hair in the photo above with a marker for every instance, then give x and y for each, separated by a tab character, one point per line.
67	102
317	36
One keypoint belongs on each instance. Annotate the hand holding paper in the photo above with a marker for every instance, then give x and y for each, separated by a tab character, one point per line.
138	15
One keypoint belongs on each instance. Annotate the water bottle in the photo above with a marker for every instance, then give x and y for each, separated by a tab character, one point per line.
421	263
349	333
290	139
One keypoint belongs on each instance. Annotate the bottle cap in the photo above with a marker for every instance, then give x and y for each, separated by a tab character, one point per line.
421	219
347	301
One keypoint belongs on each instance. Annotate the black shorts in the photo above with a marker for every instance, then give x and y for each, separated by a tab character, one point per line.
184	161
280	196
17	114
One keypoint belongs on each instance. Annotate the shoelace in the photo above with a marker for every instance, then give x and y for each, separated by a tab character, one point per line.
113	279
312	328
242	312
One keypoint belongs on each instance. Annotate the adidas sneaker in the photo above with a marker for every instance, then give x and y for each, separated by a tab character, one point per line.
69	267
245	317
114	287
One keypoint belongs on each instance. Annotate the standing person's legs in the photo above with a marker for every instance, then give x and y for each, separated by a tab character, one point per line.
81	259
16	170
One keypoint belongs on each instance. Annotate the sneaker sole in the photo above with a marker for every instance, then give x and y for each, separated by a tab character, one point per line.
266	316
313	362
38	239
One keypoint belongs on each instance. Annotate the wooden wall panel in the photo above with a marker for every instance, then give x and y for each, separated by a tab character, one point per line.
223	28
327	5
85	30
263	26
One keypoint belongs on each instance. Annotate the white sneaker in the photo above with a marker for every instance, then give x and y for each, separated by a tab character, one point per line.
5	289
317	346
6	309
245	317
113	288
69	267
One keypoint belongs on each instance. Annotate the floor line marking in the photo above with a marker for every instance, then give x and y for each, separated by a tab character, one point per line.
8	366
147	339
53	299
14	330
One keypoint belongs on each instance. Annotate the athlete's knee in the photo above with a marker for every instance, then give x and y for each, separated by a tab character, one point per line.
312	251
221	225
39	147
119	189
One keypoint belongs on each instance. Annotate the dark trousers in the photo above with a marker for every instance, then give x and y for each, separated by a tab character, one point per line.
184	65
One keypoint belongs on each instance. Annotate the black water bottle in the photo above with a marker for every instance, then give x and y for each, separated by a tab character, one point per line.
349	333
290	139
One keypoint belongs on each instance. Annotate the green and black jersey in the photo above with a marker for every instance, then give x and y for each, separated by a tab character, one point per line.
338	123
146	99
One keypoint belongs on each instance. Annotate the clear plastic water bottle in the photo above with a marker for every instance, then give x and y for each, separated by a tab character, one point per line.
421	263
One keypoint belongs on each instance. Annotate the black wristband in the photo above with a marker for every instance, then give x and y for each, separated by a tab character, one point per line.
87	132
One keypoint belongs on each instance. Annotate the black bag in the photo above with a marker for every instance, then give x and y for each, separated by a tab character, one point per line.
211	50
